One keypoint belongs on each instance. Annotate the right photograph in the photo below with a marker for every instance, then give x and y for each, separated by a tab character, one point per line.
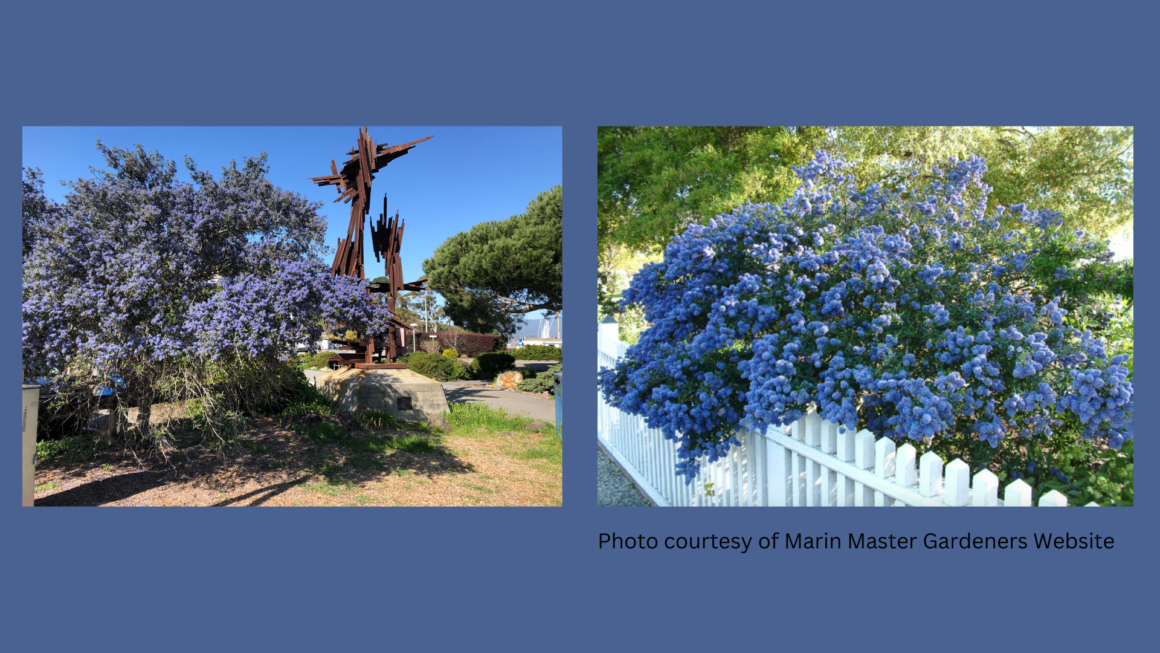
865	316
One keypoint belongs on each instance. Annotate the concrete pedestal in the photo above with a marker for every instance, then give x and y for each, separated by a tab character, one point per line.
406	394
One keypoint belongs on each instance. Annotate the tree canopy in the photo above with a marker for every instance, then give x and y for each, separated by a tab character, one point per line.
1084	173
653	182
499	270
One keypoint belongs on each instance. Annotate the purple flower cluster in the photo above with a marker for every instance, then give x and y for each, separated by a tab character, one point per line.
137	270
913	313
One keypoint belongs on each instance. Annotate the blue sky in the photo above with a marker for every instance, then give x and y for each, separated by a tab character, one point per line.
461	177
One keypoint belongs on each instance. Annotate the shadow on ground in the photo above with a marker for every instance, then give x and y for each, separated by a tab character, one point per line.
106	490
274	458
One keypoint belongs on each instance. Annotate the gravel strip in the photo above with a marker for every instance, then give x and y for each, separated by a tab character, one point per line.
612	487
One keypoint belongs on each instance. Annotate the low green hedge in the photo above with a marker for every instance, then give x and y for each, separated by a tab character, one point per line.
538	353
440	368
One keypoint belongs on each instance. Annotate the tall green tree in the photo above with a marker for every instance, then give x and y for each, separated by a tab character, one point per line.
497	271
1086	173
653	182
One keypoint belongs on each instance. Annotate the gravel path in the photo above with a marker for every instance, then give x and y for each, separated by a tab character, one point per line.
612	487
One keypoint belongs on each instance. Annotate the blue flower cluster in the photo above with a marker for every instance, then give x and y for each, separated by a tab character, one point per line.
914	314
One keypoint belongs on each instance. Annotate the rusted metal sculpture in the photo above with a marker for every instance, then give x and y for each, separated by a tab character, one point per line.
354	185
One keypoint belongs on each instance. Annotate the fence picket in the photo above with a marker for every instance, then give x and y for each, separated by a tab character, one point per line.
958	483
829	438
930	474
780	474
884	459
813	429
905	471
985	489
863	459
1018	494
799	480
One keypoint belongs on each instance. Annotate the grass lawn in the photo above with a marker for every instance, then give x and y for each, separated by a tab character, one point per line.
309	459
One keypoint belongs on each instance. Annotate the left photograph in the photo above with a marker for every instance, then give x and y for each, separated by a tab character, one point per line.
292	316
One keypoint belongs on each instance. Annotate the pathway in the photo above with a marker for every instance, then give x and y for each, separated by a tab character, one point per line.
612	487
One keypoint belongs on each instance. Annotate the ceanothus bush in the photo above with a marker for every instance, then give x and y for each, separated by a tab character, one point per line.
915	313
138	276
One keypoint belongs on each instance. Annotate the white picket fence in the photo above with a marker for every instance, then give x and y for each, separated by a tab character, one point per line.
810	463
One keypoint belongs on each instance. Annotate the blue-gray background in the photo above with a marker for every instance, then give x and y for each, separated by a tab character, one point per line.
336	579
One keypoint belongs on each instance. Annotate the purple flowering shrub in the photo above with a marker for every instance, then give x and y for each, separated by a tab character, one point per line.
150	283
36	208
922	314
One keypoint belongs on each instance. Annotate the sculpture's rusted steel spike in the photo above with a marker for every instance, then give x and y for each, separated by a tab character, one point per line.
354	185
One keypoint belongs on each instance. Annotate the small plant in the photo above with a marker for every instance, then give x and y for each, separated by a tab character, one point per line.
75	448
538	382
380	419
308	401
450	353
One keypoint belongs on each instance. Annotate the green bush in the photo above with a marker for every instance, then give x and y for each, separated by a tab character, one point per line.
538	353
320	359
487	366
308	401
81	447
450	353
541	381
440	368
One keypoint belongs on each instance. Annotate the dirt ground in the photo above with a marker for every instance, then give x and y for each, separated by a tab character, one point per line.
278	466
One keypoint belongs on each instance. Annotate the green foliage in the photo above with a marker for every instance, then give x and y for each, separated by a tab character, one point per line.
80	447
308	401
318	360
380	419
653	182
541	381
538	353
487	366
328	432
550	449
501	269
468	419
450	353
1084	172
415	444
440	368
